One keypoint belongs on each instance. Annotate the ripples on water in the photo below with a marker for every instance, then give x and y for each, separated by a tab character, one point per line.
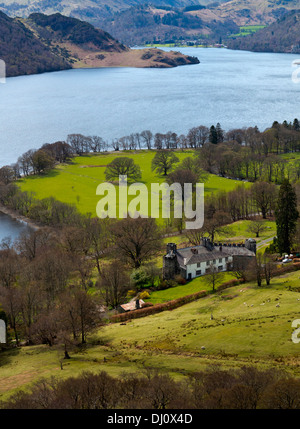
235	88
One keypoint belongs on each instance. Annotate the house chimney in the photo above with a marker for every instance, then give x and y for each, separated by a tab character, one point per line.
250	244
208	244
171	248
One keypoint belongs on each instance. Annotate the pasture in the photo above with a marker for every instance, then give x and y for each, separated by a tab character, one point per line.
242	325
76	182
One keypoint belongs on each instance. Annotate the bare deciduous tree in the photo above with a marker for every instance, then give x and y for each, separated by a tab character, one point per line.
136	240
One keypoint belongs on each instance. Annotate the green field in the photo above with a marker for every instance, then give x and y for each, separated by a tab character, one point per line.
196	285
248	328
76	183
247	29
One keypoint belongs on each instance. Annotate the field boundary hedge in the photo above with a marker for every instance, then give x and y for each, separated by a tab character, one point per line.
158	308
287	269
230	283
175	303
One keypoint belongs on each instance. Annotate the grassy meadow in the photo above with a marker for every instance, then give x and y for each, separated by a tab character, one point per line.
245	30
76	183
250	326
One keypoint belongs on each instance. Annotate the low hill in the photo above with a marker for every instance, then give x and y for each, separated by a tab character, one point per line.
43	43
282	36
24	53
58	28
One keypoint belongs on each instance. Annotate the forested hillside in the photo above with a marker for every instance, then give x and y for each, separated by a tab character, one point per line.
59	28
139	21
24	53
145	24
282	36
44	43
88	10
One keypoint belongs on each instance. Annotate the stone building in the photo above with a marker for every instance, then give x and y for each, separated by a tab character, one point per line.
196	261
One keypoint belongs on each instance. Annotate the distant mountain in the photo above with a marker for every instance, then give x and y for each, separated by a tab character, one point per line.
139	21
88	10
43	43
282	36
147	24
242	12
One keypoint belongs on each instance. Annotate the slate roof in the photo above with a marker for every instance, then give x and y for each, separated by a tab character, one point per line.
203	254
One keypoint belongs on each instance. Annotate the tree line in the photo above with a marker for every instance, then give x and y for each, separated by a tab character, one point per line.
243	153
212	388
53	280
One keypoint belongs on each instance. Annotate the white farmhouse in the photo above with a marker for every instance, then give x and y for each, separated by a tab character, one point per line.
196	261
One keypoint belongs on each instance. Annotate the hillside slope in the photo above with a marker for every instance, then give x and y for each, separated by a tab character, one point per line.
88	10
255	12
250	326
23	53
138	21
145	24
282	36
45	43
58	28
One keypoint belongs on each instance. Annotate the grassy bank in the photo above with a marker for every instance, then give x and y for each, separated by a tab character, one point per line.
250	325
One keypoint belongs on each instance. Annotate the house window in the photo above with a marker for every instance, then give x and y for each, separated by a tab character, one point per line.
220	260
198	264
198	273
207	263
214	261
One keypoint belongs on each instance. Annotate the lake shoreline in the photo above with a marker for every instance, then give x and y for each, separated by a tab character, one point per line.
114	102
20	218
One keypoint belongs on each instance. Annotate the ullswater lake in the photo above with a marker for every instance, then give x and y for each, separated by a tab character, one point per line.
11	228
236	88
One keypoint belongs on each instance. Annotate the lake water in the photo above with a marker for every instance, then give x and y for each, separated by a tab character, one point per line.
10	227
235	88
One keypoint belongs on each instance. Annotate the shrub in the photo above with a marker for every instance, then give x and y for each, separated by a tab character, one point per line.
230	283
144	295
131	293
140	278
180	280
166	284
158	308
